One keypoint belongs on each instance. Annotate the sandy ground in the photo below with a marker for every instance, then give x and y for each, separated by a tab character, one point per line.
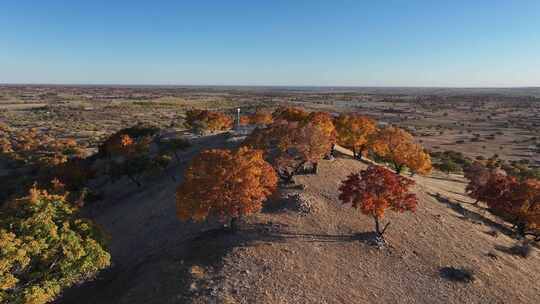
289	255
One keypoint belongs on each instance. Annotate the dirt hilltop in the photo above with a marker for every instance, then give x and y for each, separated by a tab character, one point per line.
307	248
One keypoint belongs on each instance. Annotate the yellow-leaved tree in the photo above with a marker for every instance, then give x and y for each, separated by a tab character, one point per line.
45	247
418	160
398	147
354	132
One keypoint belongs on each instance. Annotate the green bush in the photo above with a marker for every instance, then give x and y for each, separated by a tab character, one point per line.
45	248
448	166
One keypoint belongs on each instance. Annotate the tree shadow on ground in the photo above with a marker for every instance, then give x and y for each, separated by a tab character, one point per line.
340	154
287	200
449	179
471	215
209	248
521	250
453	274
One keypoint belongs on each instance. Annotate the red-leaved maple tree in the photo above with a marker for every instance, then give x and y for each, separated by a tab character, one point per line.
376	190
507	196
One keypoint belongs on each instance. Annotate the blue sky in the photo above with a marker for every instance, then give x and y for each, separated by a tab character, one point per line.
348	43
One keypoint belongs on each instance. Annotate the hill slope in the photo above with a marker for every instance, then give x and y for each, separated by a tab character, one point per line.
308	248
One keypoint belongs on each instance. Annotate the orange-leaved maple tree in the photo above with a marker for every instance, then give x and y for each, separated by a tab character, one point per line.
354	132
398	147
261	118
245	120
34	148
290	114
289	145
418	160
376	190
323	121
225	184
203	120
257	118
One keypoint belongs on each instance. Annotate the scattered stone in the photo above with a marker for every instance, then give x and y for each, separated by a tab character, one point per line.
302	205
197	272
330	157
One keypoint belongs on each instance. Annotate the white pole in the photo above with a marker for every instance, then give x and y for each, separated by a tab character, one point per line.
238	119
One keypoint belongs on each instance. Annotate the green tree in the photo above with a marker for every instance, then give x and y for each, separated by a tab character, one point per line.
449	166
45	248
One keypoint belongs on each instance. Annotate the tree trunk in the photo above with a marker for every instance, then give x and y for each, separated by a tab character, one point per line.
361	153
297	169
133	179
233	225
333	150
521	229
315	167
286	177
398	168
380	233
377	226
177	157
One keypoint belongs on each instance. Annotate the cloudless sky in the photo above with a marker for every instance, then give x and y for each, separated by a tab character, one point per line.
271	42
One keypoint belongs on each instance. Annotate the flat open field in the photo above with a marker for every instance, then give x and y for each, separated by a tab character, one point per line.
305	246
475	122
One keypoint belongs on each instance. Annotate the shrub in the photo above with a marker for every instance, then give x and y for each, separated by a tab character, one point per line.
134	156
448	166
172	146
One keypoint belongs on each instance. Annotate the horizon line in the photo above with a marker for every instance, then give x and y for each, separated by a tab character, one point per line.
268	85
